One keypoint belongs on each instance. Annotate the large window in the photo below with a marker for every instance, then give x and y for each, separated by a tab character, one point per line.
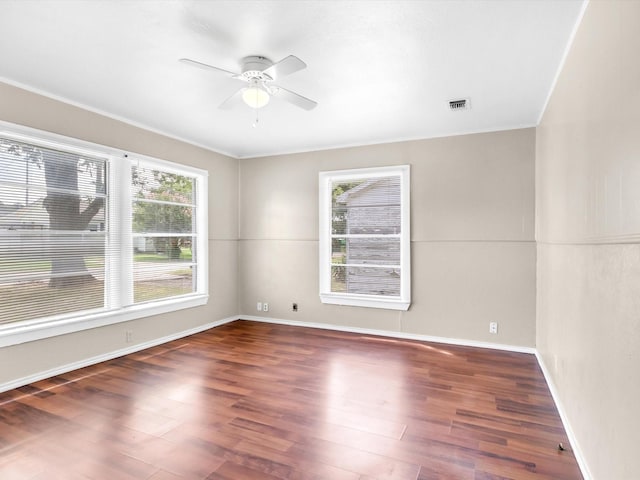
364	237
91	236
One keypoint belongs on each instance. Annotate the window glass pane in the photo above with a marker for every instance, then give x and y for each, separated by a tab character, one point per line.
163	267
366	280
338	219
162	202
339	250
162	218
151	184
33	285
52	231
370	220
28	300
374	251
366	207
338	279
40	169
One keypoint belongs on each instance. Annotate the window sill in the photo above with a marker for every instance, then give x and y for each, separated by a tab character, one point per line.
28	331
364	301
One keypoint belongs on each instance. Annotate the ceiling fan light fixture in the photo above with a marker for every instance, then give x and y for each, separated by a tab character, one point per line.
259	73
256	97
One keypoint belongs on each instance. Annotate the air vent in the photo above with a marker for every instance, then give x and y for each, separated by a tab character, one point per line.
462	104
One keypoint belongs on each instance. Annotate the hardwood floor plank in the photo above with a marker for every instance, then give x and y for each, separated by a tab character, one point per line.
164	475
232	471
303	468
252	400
356	460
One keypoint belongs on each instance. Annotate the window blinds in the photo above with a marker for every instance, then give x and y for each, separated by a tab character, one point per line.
164	230
53	231
365	236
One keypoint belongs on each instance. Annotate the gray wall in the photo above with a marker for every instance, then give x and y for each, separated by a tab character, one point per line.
588	232
29	109
472	233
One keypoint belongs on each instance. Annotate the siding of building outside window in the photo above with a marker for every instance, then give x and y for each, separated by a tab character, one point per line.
364	237
67	261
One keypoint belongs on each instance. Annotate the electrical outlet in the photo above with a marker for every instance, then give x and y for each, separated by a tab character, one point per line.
294	307
265	307
259	306
493	327
128	336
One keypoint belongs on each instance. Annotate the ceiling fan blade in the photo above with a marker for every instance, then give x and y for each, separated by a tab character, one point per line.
292	97
286	66
232	101
206	66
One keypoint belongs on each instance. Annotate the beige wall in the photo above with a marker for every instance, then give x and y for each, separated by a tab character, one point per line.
472	233
25	108
588	232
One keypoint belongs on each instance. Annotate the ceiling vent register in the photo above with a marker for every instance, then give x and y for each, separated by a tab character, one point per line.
462	104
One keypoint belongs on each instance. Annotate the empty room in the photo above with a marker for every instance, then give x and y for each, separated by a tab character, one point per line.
318	239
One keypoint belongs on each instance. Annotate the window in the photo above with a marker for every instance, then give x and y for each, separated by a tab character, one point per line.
164	233
364	237
91	236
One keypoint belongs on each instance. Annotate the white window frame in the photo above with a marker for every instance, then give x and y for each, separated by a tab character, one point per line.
326	179
119	271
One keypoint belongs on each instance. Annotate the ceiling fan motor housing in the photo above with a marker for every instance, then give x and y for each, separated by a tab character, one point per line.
254	66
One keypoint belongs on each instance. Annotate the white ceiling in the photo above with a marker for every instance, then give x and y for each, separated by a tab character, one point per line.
380	71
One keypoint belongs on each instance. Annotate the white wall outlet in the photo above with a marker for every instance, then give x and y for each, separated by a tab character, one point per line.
493	327
128	336
259	306
265	307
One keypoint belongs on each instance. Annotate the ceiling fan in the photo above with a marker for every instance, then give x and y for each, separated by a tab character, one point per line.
259	73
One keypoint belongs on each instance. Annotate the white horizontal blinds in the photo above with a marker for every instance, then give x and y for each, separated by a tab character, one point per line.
52	231
164	233
365	236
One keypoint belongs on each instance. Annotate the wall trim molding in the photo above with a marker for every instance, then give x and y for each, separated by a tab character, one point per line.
573	440
36	377
393	334
621	239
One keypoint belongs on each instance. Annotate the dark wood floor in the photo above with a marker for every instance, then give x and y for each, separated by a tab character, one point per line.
259	401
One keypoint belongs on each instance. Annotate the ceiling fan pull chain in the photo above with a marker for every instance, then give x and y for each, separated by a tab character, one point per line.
255	124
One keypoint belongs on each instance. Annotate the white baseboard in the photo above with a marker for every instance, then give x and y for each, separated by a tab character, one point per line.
575	446
20	382
393	334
